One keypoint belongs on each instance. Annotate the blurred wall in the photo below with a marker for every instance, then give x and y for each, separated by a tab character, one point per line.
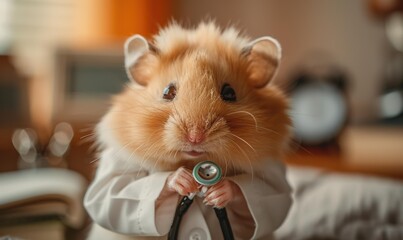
40	29
340	32
108	21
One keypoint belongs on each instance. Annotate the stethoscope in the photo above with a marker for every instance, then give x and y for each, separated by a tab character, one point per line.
206	173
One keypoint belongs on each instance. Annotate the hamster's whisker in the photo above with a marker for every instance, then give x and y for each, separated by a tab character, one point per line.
89	135
132	154
90	127
176	152
171	152
245	154
87	139
225	159
243	140
159	157
130	157
117	128
95	160
141	164
226	165
263	128
271	130
234	167
225	147
94	147
115	153
146	157
159	154
296	144
127	163
223	156
292	142
247	113
127	167
149	153
214	134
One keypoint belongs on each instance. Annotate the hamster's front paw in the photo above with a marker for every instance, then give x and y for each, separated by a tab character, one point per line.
182	182
222	193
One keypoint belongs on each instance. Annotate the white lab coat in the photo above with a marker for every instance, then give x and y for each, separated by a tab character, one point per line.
127	199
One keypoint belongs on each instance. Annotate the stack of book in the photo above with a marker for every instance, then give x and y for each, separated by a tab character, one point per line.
41	203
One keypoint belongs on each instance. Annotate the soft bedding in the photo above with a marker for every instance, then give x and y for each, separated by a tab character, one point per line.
343	206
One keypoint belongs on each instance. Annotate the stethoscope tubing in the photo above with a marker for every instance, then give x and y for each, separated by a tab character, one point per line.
180	211
182	208
205	180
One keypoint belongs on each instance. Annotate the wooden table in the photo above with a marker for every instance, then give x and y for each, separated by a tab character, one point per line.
364	150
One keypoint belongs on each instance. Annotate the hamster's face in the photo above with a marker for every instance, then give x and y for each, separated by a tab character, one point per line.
199	105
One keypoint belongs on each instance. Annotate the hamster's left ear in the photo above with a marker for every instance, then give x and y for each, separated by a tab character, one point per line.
263	56
136	50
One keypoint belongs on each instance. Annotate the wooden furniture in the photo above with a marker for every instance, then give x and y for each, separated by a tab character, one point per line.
372	150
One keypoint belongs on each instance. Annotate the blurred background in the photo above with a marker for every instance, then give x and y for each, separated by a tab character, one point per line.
61	60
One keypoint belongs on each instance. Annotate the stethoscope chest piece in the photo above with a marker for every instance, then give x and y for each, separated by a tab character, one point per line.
207	173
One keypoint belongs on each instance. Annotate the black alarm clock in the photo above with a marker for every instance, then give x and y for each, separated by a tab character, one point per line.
319	108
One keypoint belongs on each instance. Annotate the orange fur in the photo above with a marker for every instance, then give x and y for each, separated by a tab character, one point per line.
199	61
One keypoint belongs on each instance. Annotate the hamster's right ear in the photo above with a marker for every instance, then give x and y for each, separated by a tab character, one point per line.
138	51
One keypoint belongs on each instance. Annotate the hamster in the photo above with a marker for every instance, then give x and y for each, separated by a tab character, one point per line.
200	94
197	94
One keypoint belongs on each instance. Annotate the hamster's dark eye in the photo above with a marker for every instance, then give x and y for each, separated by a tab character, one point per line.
228	93
169	92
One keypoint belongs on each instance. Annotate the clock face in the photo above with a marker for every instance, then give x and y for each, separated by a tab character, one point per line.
318	111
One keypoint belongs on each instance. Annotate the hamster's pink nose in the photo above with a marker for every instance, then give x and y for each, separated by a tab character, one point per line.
195	136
